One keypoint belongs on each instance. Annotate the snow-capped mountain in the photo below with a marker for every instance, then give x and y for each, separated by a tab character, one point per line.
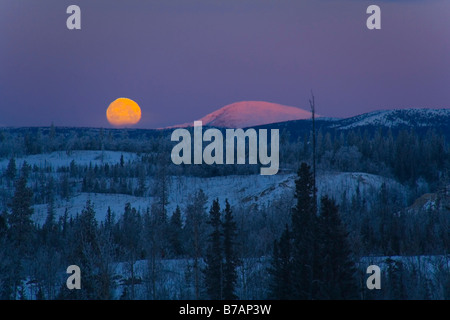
421	120
261	113
251	113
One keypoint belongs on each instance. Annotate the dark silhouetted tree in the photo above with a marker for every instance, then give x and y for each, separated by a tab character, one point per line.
175	232
214	269
229	254
21	225
195	234
281	268
337	268
11	170
304	240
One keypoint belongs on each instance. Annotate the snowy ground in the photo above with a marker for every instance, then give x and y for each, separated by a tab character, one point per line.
239	190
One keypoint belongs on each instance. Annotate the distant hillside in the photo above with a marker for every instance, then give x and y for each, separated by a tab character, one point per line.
251	113
421	120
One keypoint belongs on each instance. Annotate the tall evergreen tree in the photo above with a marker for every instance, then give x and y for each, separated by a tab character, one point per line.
11	170
229	254
88	225
337	268
87	252
152	249
21	225
195	234
64	187
161	193
7	266
25	170
131	232
304	230
109	220
142	187
49	228
214	269
281	268
175	232
122	162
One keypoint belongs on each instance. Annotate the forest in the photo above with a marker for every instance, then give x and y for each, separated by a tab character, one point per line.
298	246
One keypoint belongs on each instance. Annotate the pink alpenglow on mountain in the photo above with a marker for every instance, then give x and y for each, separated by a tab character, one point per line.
251	113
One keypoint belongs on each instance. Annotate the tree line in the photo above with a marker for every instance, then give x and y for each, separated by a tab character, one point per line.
406	155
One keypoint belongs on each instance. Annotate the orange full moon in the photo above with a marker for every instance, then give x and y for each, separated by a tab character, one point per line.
123	111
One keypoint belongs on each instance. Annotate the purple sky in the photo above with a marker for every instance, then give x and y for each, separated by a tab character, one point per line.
181	59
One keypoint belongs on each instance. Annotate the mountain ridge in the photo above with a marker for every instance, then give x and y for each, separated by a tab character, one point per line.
417	117
250	113
245	114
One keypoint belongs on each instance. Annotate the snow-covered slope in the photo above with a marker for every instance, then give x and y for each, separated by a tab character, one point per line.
398	118
251	113
100	201
243	191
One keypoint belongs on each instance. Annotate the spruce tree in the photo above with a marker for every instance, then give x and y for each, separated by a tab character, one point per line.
304	234
86	253
142	187
195	235
337	268
152	248
92	256
21	225
109	220
161	194
281	268
49	227
131	226
88	225
11	170
6	262
64	190
131	232
229	253
175	232
122	162
213	271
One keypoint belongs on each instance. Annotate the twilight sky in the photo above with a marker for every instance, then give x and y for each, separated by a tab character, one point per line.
181	59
